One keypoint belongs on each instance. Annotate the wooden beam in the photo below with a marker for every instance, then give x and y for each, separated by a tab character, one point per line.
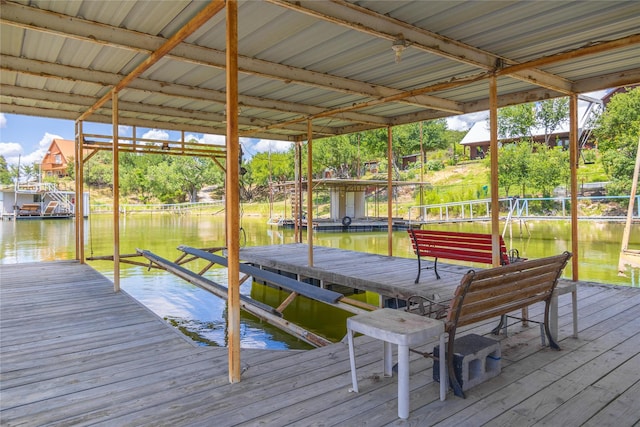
116	194
495	188
573	159
101	34
195	23
310	193
79	181
232	194
71	74
573	54
389	191
359	18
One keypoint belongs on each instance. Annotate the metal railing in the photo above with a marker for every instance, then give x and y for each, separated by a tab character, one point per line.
174	208
516	208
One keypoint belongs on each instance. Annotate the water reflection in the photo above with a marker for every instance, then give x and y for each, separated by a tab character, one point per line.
201	315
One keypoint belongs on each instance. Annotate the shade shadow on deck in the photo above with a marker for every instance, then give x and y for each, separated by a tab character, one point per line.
73	352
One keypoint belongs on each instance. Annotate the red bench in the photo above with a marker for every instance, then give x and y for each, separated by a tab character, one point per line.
474	247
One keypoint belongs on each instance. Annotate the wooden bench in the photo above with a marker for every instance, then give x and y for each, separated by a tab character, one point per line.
473	247
498	291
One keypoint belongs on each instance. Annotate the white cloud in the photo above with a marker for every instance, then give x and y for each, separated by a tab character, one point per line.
465	121
3	120
10	149
14	152
206	139
156	134
270	145
124	130
45	142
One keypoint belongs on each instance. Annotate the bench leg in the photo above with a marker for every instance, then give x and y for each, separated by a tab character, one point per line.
419	270
503	321
552	342
453	380
352	360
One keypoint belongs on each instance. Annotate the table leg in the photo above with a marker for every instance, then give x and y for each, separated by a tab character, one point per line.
387	360
574	306
444	381
352	360
403	381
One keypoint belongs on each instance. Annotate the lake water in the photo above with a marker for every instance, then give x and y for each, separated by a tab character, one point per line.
202	315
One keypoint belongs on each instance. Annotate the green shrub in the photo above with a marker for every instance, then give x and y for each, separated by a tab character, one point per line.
435	165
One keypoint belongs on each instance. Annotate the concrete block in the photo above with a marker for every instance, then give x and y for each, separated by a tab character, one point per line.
475	359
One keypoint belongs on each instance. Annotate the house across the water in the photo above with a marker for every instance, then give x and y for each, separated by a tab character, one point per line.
39	200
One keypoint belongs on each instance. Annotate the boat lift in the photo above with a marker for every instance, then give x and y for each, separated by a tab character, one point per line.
271	315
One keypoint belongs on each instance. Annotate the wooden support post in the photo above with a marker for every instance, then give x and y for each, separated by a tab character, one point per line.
493	148
310	193
232	194
389	191
116	193
79	207
573	155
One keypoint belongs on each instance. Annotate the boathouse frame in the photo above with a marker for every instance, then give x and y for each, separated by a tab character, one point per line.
309	70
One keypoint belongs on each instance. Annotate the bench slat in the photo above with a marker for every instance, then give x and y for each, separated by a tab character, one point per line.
511	290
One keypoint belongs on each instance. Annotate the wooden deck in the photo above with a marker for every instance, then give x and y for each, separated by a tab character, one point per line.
73	352
393	277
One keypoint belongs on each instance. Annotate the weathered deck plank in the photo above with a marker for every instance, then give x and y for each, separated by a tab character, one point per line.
107	360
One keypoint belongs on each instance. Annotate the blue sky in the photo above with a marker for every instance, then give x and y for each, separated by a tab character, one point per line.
27	138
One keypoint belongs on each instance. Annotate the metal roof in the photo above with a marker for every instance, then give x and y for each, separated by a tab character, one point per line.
331	61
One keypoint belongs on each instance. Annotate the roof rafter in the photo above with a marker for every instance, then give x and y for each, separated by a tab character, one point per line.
196	22
361	19
45	21
57	71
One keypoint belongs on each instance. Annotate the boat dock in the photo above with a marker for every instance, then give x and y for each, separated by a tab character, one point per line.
73	352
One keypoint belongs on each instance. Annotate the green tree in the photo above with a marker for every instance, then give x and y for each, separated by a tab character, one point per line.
550	114
520	120
337	152
193	173
99	170
30	172
617	132
272	166
5	174
514	165
549	167
516	121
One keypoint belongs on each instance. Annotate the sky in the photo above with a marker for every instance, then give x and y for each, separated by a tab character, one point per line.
25	139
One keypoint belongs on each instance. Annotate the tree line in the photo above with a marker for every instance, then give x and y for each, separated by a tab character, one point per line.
523	166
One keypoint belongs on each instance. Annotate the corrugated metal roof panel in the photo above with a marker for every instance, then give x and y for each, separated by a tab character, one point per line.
295	61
